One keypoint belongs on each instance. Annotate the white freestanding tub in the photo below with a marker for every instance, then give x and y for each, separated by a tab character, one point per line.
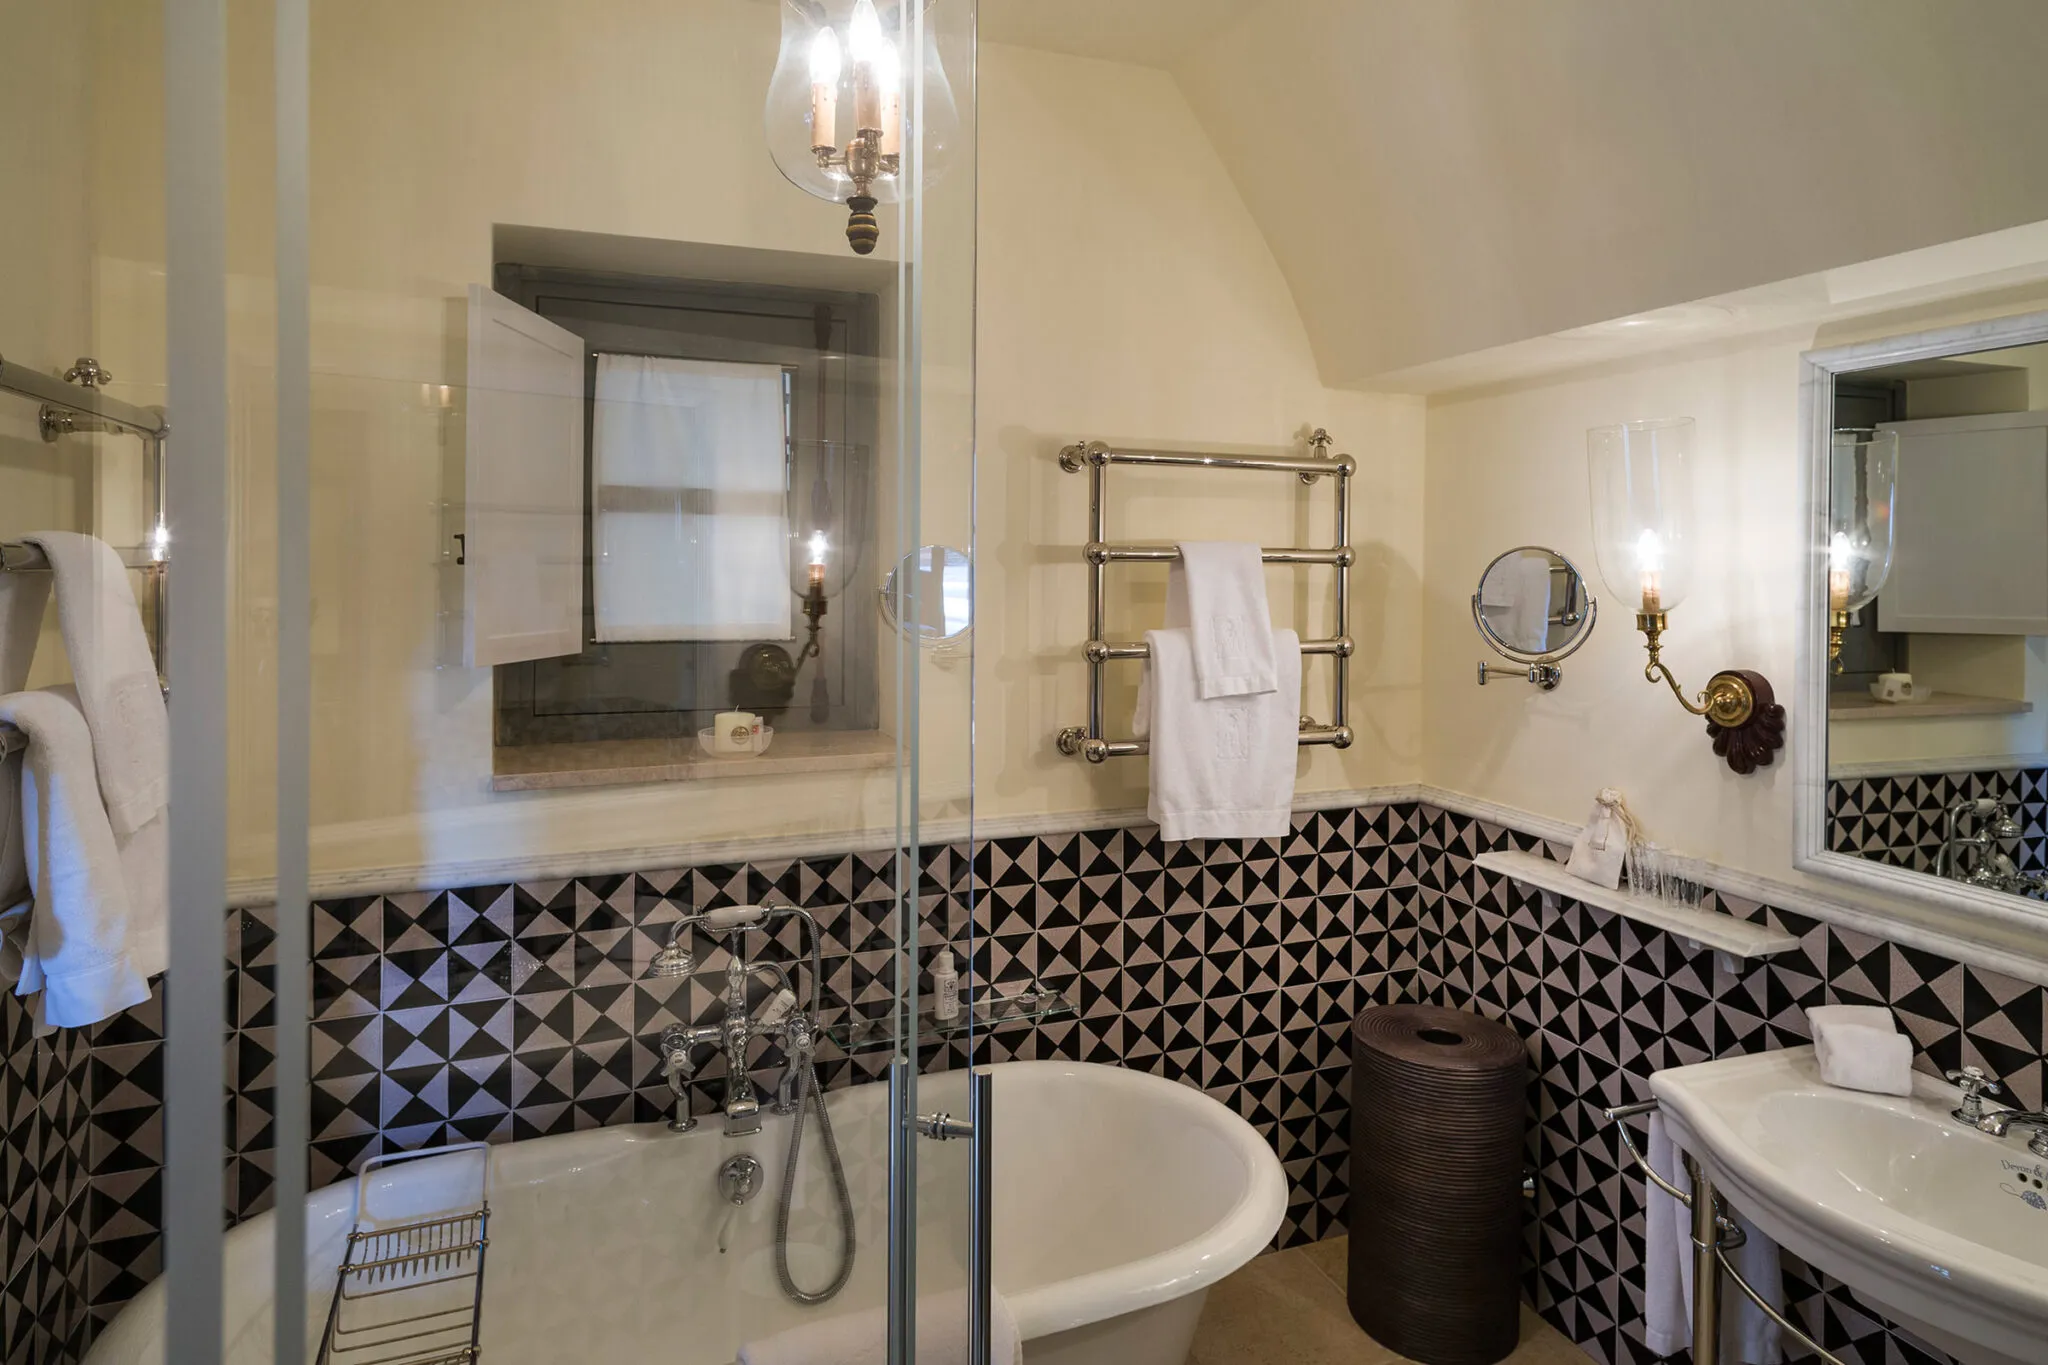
1120	1198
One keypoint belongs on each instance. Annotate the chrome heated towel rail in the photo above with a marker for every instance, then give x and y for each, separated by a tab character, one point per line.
1096	457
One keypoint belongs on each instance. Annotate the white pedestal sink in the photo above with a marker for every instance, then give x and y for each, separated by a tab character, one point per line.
1939	1227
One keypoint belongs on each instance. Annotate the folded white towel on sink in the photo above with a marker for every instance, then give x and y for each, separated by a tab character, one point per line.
1859	1047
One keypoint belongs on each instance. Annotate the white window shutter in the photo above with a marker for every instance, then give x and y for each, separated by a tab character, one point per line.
523	486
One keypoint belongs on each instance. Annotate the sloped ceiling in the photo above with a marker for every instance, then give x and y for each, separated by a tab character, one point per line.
1438	177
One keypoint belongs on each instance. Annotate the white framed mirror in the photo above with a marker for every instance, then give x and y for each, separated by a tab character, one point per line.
1922	764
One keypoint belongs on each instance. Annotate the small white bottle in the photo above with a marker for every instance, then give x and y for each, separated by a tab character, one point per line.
945	986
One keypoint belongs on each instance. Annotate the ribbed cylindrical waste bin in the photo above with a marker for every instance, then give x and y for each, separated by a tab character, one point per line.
1438	1103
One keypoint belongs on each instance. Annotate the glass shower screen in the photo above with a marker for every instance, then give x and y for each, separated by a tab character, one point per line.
557	919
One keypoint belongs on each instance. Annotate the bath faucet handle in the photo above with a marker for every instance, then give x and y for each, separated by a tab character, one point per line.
1975	1084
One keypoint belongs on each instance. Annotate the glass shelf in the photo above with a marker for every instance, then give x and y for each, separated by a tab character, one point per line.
1004	1007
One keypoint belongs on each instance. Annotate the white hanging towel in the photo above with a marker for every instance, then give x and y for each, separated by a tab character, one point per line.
115	674
22	599
1217	589
690	536
1667	1271
1221	769
86	946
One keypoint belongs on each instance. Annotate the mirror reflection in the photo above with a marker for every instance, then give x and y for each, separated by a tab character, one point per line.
1532	605
942	580
1938	618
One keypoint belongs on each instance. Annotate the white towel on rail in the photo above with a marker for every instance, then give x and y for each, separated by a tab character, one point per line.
1667	1271
1221	768
22	599
115	674
87	945
1217	589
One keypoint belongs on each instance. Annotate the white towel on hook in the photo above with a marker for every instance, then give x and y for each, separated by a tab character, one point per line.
111	665
1217	589
1222	768
87	946
1667	1270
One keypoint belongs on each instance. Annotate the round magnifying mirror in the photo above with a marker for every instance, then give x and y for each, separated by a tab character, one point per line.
941	611
1532	605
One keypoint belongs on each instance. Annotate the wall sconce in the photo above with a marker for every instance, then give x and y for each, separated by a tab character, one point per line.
1641	480
1863	474
842	108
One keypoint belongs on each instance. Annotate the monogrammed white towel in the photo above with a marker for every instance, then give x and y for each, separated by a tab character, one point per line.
1221	768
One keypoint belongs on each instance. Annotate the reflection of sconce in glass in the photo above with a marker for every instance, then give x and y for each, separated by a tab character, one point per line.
1863	472
1641	482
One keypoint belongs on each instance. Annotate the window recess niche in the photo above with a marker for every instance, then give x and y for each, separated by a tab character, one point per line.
585	711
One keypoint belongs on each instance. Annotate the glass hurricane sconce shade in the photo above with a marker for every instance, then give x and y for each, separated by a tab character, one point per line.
1640	476
1863	472
843	106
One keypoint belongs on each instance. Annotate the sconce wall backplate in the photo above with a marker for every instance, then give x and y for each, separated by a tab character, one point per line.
1742	713
1754	740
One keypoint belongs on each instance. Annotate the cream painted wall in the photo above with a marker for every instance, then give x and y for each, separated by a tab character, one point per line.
46	245
1507	466
1441	176
1127	295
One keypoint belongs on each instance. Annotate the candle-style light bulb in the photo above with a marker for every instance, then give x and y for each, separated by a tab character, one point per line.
818	548
864	44
1840	554
864	32
889	80
825	90
1650	561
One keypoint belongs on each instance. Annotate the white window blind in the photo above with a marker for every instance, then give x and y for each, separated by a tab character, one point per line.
690	515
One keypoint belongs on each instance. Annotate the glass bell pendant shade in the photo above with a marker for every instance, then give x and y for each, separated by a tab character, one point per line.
1641	484
843	104
1863	473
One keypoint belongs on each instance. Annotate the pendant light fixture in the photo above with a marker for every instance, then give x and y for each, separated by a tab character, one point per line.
841	107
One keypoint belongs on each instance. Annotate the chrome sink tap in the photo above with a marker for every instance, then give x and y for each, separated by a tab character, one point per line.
2000	1122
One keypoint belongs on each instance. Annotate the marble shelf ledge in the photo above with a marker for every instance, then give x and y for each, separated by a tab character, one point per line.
622	762
1723	933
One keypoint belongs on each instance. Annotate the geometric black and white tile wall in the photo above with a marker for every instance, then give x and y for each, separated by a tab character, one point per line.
1604	1002
43	1221
510	1011
1901	820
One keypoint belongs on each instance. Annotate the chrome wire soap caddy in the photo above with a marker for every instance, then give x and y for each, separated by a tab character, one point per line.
1096	457
411	1285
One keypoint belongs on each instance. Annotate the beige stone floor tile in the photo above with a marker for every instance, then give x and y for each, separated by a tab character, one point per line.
1281	1310
1288	1308
1333	1258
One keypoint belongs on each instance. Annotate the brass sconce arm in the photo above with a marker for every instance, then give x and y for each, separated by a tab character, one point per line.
1743	716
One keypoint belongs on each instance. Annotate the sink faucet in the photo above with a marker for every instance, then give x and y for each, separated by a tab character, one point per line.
1999	1122
738	1026
1975	1085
